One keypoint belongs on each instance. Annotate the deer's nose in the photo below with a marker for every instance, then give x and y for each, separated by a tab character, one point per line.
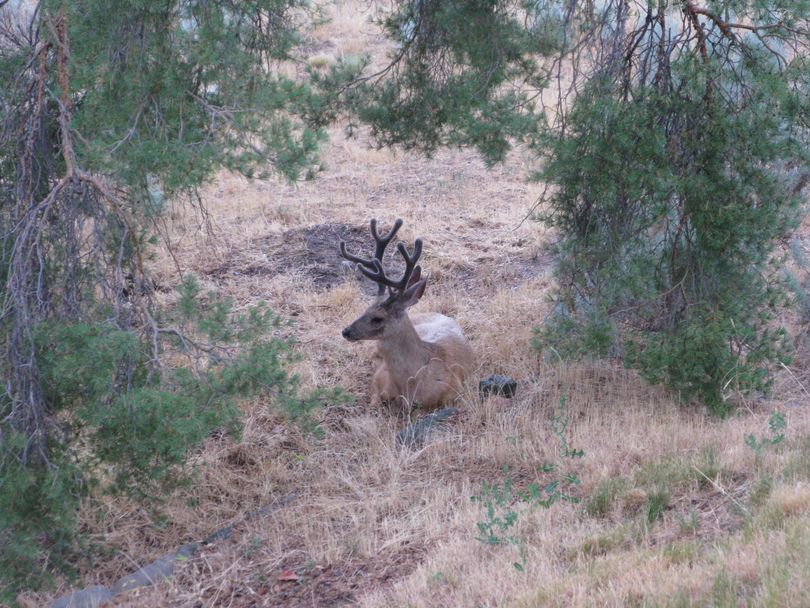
345	333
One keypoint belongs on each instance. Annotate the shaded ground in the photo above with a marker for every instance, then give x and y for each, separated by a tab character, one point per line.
294	582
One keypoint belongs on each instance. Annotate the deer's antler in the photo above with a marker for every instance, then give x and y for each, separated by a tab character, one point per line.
382	243
373	268
411	270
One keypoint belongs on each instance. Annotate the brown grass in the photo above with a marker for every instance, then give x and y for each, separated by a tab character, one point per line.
362	522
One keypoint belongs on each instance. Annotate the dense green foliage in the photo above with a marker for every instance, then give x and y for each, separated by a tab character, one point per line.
670	197
108	109
458	75
126	427
176	90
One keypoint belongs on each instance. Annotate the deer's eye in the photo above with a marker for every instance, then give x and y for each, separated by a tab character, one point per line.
377	320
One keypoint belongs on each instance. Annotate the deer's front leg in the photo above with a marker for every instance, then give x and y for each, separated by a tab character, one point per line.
385	392
382	389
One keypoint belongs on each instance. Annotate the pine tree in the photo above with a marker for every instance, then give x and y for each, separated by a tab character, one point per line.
676	172
108	109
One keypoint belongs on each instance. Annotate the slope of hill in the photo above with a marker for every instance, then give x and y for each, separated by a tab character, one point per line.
664	506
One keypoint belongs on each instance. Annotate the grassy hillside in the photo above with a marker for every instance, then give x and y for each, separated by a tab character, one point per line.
672	507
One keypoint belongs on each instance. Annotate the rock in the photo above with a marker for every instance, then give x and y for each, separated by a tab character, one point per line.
496	384
268	509
85	598
160	569
414	435
156	572
221	534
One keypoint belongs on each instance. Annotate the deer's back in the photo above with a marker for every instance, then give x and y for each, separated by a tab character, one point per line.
446	333
436	328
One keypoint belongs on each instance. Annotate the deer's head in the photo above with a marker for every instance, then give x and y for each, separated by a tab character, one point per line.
385	316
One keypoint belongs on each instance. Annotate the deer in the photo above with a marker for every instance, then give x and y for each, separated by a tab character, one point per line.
421	360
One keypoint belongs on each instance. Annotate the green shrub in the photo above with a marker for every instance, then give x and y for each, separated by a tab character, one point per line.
666	250
37	517
127	425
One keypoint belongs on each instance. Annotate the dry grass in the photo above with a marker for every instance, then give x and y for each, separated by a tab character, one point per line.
359	521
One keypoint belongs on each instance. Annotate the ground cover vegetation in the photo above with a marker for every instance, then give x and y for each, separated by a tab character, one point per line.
670	144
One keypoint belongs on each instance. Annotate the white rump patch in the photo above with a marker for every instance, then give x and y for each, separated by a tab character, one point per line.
437	328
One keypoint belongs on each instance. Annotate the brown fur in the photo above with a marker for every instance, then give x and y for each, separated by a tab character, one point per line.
410	371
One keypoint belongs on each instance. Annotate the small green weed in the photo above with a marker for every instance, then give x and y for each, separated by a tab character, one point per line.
559	426
501	501
254	544
604	495
777	426
657	503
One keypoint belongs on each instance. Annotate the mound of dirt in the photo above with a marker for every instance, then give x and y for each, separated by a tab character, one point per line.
313	252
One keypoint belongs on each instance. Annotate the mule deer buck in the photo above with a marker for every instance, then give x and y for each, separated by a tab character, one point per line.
421	360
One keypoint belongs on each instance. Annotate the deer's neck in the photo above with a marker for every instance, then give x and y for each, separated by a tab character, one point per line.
404	352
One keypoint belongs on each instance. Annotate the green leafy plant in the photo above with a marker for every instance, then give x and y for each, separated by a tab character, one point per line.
559	427
503	503
777	426
500	518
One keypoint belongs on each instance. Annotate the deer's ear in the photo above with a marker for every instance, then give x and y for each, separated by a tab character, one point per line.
415	291
415	276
